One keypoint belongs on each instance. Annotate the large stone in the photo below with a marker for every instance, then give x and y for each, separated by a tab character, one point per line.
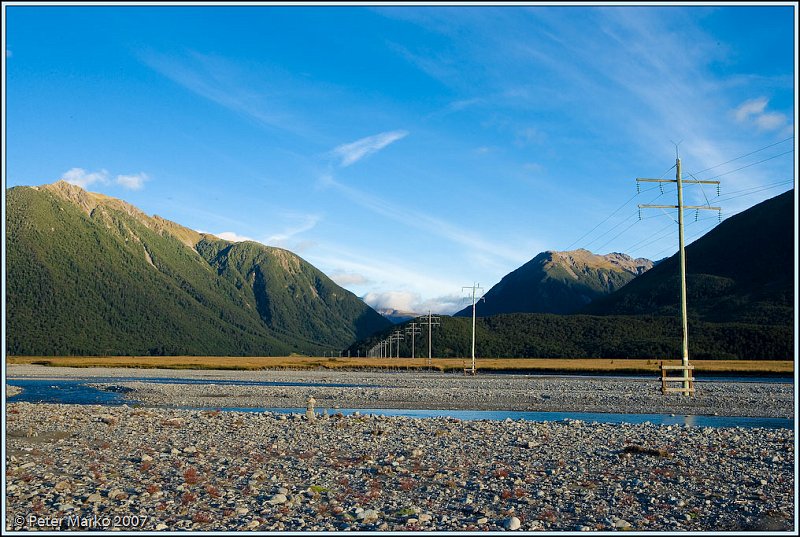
512	523
278	499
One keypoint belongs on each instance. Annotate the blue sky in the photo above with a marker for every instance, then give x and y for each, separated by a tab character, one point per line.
407	151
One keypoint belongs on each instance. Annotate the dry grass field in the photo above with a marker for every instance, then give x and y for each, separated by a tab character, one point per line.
599	365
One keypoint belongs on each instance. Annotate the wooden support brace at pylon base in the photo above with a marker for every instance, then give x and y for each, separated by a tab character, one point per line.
665	379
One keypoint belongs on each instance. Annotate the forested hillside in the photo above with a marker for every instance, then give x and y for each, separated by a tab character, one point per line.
88	274
538	335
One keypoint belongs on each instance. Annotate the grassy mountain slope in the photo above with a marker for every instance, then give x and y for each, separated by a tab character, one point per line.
89	274
741	271
559	282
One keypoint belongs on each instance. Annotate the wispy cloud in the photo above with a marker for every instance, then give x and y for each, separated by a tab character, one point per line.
229	85
355	151
425	222
754	111
82	178
348	278
304	223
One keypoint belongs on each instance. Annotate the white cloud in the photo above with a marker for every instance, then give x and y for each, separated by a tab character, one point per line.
132	182
770	121
82	178
233	237
355	151
749	108
398	300
412	302
348	278
306	222
755	110
391	282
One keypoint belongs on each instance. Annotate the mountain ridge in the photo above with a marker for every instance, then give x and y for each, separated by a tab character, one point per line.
90	274
559	282
740	271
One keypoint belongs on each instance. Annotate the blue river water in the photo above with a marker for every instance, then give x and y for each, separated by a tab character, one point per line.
79	392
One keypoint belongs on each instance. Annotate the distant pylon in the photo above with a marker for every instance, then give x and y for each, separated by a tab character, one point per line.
475	287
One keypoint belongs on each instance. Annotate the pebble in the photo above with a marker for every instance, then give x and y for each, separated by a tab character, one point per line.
278	499
512	523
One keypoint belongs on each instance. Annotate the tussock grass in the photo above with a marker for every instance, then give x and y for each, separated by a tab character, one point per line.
531	365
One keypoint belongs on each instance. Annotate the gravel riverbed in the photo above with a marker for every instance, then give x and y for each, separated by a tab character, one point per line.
88	467
424	390
158	467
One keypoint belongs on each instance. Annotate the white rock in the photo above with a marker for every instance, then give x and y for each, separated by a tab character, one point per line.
512	523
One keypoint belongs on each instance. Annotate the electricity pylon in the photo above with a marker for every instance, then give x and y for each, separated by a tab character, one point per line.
475	287
432	321
396	336
413	329
680	206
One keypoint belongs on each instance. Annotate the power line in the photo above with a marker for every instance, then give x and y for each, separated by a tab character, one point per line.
612	214
615	211
600	248
651	239
754	191
694	237
606	232
754	163
742	156
609	231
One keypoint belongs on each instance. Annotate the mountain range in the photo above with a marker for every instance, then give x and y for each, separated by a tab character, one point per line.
559	282
88	274
740	287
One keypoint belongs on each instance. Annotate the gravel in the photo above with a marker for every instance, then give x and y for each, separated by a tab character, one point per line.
423	390
164	468
88	467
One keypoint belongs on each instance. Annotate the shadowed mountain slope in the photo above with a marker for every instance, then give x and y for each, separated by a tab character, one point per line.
740	271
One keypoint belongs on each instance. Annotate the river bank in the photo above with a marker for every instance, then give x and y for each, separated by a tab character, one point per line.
425	390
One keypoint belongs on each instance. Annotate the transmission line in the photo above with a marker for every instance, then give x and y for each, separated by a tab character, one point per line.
742	156
754	163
